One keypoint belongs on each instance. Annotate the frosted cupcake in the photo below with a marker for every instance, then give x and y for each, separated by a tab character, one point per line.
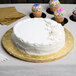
37	10
54	4
74	13
59	14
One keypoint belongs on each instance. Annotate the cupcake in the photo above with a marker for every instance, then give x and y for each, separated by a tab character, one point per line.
74	13
54	4
37	10
59	14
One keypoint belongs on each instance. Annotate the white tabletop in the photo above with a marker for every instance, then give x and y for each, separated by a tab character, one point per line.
64	67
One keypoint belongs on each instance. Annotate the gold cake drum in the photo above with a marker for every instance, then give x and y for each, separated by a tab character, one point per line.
12	50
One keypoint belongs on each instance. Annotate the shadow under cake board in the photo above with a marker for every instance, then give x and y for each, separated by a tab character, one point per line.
49	11
43	15
62	23
71	18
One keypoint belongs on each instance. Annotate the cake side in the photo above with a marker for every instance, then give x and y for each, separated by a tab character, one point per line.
38	36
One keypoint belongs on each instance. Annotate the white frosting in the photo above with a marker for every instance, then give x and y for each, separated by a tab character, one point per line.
38	36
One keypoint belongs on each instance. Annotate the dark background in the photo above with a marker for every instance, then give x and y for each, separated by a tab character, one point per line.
36	1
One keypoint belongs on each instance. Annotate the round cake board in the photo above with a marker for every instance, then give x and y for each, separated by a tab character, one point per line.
11	49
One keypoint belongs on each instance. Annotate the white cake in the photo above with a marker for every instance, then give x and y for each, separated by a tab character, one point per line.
38	36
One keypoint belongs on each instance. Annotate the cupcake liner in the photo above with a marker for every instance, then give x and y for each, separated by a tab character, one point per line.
74	16
43	15
53	9
49	11
60	19
62	23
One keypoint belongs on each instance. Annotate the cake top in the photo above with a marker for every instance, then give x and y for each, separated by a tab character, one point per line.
54	3
74	11
36	8
39	31
60	12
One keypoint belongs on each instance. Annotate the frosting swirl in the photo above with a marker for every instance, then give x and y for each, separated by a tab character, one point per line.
59	13
54	3
36	8
74	11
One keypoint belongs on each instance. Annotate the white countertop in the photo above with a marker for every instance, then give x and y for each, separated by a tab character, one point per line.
64	66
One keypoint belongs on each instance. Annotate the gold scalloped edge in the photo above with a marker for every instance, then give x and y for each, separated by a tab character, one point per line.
11	49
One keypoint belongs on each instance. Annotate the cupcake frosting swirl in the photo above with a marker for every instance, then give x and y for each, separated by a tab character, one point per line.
59	13
36	8
54	3
74	11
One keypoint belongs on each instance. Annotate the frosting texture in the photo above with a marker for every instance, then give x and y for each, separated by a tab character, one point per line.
38	36
74	11
59	13
54	3
36	8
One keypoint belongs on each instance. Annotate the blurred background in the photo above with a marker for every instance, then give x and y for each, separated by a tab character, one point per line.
35	1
